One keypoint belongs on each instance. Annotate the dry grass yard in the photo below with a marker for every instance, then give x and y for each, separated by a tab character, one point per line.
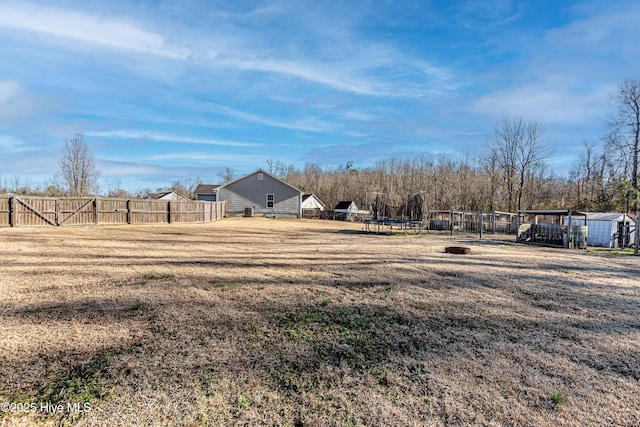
252	321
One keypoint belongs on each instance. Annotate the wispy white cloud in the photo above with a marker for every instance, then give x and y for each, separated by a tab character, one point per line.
546	102
84	27
18	104
359	115
112	167
306	71
487	16
8	90
357	70
208	157
605	30
9	144
157	136
309	124
568	75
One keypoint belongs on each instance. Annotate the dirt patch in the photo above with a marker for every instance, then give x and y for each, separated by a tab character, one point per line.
282	322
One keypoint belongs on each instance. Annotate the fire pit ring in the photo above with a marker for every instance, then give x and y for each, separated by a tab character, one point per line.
458	250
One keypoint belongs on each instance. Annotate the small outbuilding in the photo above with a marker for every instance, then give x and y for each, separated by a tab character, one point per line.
169	195
262	194
346	210
207	192
608	230
312	206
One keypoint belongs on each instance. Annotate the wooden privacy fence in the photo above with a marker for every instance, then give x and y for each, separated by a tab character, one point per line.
33	211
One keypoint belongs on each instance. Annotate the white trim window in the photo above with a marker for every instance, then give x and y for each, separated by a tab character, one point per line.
270	201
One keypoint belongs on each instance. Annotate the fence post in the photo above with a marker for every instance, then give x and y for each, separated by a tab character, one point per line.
570	243
129	216
57	217
635	245
169	212
95	211
12	211
451	221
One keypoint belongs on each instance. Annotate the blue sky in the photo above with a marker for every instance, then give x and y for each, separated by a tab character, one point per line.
169	90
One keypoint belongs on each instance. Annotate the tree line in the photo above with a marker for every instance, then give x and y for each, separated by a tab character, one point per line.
509	174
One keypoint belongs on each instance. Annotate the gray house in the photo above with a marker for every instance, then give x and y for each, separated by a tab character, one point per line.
262	194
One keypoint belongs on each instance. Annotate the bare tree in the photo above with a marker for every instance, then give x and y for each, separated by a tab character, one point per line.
519	150
626	126
593	178
279	169
113	188
186	187
492	172
78	173
18	185
226	175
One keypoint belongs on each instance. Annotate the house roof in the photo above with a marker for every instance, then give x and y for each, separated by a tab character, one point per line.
206	188
306	196
265	173
345	204
558	212
605	216
166	193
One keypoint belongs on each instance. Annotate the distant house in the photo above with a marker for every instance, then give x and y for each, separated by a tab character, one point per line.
207	192
346	210
262	194
312	206
608	230
169	195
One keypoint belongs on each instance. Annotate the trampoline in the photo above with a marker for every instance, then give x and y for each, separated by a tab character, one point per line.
388	226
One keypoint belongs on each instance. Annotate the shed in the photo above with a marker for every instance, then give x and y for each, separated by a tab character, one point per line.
207	192
261	193
312	206
346	210
169	195
609	230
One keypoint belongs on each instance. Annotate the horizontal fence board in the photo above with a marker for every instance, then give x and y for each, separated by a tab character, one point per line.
64	211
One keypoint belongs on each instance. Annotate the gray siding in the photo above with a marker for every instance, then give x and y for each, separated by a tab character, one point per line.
249	192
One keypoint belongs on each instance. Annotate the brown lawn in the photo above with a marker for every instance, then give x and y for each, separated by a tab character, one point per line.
253	321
